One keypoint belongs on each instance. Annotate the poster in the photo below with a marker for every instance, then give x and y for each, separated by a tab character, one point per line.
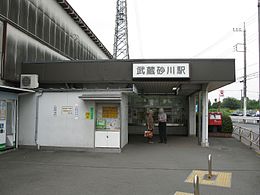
66	110
76	111
101	124
3	108
91	113
110	112
55	110
87	115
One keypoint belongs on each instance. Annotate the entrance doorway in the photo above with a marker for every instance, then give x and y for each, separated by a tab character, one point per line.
176	108
10	124
7	124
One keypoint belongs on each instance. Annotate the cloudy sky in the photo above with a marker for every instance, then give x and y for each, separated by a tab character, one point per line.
182	29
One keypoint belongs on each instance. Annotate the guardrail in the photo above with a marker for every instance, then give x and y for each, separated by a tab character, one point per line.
246	136
249	120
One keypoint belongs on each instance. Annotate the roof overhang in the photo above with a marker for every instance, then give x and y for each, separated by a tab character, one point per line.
214	73
15	89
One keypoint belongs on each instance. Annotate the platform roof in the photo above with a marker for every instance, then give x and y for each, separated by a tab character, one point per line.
215	73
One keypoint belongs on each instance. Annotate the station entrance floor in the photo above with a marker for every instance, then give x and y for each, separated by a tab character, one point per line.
141	169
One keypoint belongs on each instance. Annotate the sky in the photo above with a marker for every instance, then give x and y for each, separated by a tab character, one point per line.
183	29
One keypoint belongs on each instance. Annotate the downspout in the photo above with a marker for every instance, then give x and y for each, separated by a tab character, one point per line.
38	95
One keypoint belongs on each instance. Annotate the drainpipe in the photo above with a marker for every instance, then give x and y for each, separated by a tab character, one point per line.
38	95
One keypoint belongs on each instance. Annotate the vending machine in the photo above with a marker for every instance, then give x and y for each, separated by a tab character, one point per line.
3	112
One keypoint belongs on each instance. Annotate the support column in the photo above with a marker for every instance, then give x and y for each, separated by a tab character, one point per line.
192	115
199	130
204	141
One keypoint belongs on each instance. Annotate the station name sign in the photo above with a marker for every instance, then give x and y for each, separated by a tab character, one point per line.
163	70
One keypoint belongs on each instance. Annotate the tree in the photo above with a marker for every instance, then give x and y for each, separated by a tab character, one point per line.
209	105
252	104
231	103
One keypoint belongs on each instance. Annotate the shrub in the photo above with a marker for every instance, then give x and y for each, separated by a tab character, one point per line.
227	125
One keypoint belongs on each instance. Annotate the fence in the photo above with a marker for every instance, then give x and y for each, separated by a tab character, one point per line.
246	136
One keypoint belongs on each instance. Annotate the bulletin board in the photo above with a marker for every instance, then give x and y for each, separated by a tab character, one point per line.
108	117
110	112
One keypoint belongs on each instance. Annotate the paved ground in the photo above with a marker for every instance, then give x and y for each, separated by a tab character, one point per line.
154	169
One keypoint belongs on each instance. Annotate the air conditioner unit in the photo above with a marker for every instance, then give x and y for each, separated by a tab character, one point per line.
29	81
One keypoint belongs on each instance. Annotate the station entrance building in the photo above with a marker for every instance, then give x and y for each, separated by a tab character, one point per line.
85	99
97	104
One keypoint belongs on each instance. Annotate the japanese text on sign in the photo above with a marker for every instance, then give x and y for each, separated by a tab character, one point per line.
173	70
109	112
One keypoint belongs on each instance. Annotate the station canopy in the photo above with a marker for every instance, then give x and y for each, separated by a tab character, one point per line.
157	76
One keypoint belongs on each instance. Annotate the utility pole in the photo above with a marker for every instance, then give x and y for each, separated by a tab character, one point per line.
244	51
121	48
259	64
245	87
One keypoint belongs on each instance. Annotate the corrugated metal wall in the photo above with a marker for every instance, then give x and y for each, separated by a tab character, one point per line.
40	30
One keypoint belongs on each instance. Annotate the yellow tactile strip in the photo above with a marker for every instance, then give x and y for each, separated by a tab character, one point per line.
183	193
223	179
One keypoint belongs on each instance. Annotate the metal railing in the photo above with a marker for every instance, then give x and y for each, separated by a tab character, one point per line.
247	136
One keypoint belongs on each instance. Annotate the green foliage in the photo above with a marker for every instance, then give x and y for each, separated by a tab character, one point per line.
227	125
252	104
224	111
231	103
214	105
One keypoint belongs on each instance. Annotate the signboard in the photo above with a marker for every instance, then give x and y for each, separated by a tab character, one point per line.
66	110
3	109
110	112
87	115
101	124
163	70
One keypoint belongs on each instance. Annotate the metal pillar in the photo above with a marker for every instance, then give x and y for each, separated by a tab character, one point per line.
196	185
204	141
199	118
209	166
192	115
121	48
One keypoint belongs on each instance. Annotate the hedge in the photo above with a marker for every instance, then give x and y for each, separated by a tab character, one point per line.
227	125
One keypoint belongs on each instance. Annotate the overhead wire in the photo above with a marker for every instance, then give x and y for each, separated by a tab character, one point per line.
250	20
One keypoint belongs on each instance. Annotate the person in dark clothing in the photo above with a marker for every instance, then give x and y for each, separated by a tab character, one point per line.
162	118
150	125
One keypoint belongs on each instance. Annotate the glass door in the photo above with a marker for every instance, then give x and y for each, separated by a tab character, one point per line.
10	123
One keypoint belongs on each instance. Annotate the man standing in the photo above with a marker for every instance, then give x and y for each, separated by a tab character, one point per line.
162	118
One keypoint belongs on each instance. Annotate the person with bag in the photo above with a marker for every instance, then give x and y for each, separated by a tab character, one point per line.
150	126
162	118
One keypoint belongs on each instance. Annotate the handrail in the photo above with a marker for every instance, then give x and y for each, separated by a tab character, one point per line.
246	134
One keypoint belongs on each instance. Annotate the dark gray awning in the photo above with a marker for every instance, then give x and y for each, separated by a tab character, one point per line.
15	89
214	73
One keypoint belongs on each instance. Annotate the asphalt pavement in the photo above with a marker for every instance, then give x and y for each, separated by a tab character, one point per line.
141	168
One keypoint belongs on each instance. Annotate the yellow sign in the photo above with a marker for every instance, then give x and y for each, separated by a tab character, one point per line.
110	112
87	115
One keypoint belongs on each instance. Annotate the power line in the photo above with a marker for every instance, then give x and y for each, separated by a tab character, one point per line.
224	37
249	21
